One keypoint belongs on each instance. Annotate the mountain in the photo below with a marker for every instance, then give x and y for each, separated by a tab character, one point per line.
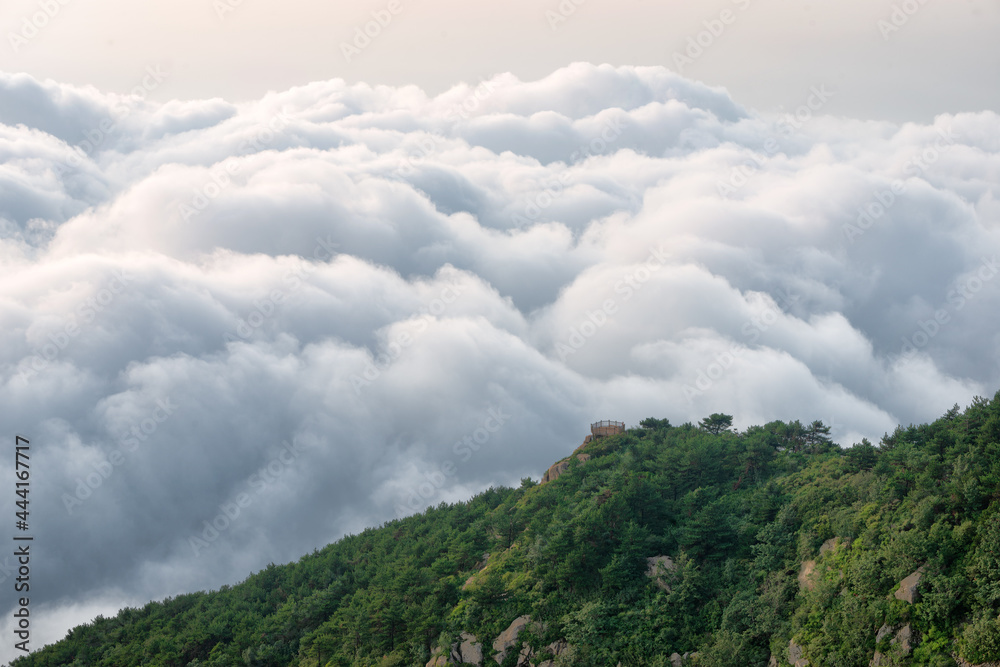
662	545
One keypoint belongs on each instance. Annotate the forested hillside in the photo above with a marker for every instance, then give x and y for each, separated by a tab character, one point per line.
780	547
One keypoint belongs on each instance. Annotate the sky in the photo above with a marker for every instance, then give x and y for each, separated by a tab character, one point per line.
266	279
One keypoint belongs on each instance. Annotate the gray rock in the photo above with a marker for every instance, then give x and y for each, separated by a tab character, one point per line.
796	655
900	644
907	591
508	638
658	568
469	650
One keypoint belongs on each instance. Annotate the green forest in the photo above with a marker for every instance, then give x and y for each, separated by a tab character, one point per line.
692	544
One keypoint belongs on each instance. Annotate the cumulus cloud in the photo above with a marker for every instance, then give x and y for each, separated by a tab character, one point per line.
235	332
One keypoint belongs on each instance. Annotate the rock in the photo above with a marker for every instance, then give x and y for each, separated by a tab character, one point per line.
583	458
900	644
556	648
676	660
796	655
773	662
907	591
833	544
657	569
508	638
903	638
806	579
554	471
469	650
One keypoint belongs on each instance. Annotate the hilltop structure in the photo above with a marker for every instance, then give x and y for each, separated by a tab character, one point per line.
600	429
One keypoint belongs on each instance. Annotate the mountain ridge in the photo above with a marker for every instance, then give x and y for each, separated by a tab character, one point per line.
668	545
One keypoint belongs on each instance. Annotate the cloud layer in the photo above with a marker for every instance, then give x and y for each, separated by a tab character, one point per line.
235	332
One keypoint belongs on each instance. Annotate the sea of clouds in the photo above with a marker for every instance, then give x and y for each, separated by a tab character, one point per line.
236	332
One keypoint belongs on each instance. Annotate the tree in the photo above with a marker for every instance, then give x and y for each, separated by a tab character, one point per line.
716	423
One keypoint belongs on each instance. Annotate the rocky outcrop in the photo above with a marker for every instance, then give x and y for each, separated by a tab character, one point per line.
807	579
796	656
678	660
557	649
508	639
659	569
559	468
466	650
469	650
907	591
899	645
554	471
833	544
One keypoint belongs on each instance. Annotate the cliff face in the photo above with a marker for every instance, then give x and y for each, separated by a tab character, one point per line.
558	468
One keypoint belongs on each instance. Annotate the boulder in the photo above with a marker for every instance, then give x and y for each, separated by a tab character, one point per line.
469	650
907	591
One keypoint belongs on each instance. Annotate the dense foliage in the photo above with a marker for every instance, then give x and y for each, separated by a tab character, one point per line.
739	513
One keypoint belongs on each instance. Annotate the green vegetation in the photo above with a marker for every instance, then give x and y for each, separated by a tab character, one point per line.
749	518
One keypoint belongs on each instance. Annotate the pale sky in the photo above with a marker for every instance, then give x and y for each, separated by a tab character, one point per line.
943	58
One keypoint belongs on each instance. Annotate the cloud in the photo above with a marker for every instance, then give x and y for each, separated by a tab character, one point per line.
341	303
